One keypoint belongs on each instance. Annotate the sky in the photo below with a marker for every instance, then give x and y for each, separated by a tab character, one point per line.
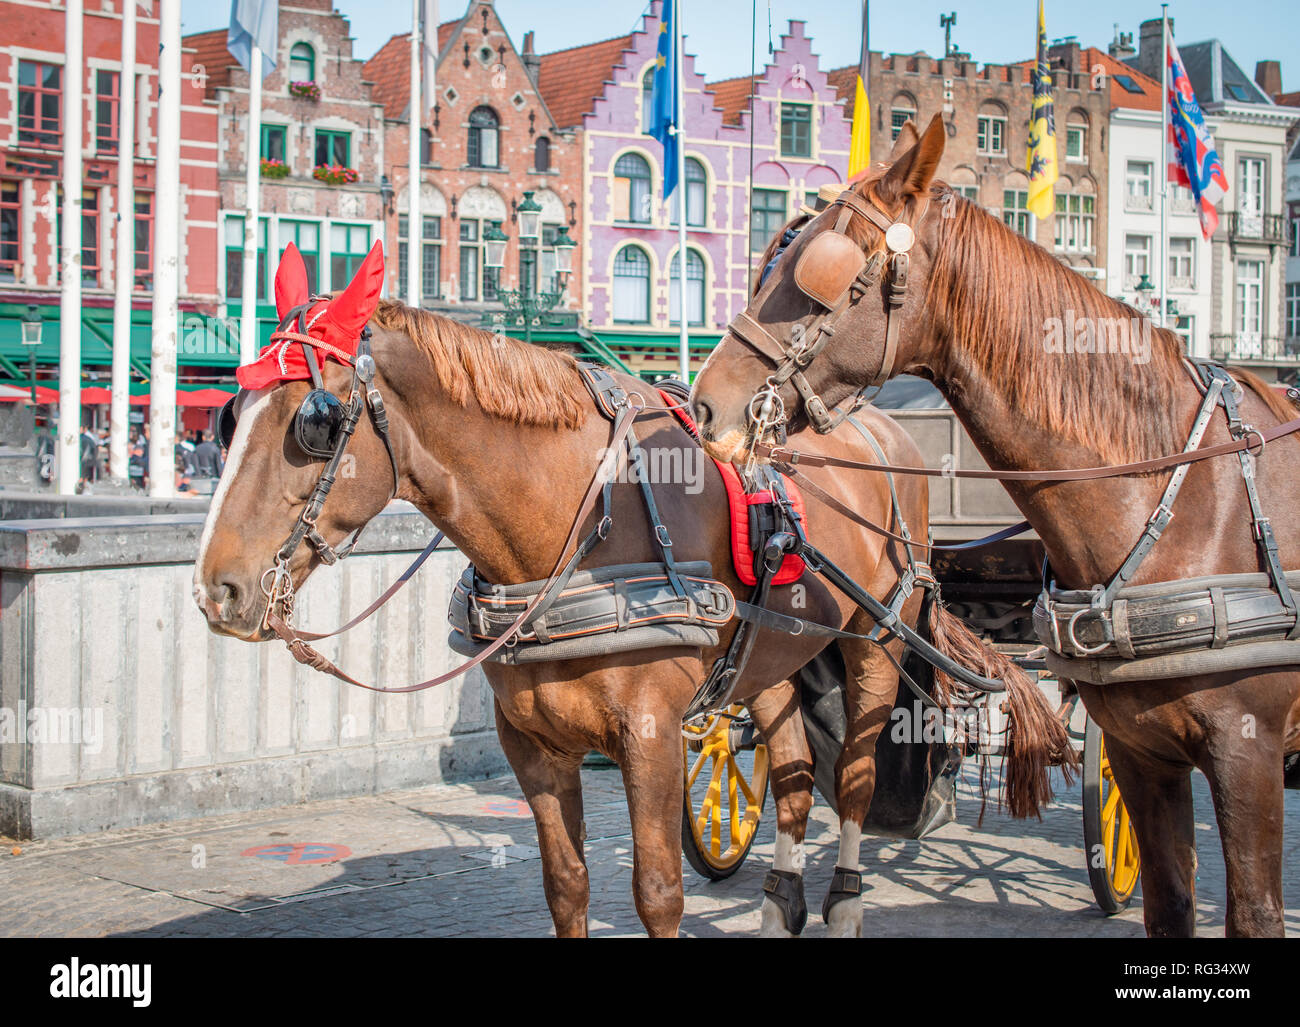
718	31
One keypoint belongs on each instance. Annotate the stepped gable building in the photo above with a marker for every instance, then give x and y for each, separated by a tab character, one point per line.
493	137
630	239
986	112
322	152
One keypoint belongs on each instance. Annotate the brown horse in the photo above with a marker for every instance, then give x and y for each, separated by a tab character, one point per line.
495	441
981	318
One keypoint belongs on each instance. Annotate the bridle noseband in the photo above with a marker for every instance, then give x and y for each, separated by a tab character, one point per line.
277	582
814	271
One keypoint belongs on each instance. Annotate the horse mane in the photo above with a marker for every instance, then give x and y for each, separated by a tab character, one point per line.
993	295
507	378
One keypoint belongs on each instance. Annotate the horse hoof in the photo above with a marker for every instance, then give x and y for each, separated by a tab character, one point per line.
844	919
773	925
784	910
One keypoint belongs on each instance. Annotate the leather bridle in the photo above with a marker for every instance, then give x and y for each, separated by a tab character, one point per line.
767	409
277	582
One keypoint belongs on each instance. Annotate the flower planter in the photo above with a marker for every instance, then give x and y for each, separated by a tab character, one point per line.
305	91
274	169
335	174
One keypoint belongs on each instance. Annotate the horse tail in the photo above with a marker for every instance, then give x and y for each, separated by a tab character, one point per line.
1036	739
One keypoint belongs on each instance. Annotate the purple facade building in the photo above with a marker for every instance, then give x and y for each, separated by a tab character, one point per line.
800	142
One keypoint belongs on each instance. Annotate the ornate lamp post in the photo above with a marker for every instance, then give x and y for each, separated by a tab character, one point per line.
32	329
530	217
523	308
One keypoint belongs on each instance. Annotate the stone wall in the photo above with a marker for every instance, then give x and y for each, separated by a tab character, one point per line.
118	706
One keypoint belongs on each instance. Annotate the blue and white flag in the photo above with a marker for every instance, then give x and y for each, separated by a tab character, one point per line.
254	21
663	99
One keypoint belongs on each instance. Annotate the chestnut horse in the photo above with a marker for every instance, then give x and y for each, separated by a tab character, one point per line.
495	441
978	318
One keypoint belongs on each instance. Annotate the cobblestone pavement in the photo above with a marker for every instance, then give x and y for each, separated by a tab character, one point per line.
461	860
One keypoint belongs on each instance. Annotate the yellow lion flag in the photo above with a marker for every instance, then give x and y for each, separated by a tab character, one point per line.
1041	161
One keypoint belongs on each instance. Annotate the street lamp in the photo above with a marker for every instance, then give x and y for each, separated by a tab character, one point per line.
495	246
530	217
564	247
32	329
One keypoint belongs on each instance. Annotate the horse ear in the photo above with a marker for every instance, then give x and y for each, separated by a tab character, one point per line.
914	170
908	137
290	281
351	309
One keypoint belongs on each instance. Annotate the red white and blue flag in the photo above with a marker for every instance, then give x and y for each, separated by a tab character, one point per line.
1193	161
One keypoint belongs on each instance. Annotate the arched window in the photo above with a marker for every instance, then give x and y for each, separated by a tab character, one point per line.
632	286
694	289
484	138
542	154
901	111
697	193
302	63
647	98
632	189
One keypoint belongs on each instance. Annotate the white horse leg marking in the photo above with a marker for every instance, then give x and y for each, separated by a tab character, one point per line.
789	856
845	917
248	416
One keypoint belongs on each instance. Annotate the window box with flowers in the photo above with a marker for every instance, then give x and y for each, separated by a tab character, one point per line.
274	168
335	174
305	90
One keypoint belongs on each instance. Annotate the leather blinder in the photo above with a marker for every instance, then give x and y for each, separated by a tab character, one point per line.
827	267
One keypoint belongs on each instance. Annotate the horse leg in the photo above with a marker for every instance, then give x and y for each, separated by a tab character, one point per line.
1159	800
870	685
778	716
654	781
554	792
1246	784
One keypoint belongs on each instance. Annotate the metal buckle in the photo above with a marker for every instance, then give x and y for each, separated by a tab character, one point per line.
662	534
602	529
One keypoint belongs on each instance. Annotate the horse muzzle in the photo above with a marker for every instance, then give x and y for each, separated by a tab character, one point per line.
233	608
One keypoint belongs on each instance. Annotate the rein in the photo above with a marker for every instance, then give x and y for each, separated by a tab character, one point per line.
604	474
1252	443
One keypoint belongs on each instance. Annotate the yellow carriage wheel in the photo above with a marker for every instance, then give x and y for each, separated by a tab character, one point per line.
1110	842
726	786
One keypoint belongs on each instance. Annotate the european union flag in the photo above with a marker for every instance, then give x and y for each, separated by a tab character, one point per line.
663	98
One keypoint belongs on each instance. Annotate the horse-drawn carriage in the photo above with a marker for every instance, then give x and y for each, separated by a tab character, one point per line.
993	589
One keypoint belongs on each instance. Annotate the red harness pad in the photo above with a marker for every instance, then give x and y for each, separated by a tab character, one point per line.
738	502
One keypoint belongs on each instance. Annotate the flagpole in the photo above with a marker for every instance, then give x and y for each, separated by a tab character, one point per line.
1164	159
414	224
248	331
69	433
685	341
124	280
166	256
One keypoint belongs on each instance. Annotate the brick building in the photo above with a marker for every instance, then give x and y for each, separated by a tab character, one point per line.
630	253
986	112
32	66
492	138
318	113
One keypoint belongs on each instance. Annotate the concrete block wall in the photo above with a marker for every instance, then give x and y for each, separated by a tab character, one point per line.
119	707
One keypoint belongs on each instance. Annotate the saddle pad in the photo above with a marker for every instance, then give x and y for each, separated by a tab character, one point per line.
738	503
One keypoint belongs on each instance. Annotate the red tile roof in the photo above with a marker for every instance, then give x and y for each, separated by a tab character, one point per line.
1287	99
390	69
210	51
1146	99
571	80
731	96
845	83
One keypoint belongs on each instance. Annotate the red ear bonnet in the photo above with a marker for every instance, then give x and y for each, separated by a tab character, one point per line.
336	322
